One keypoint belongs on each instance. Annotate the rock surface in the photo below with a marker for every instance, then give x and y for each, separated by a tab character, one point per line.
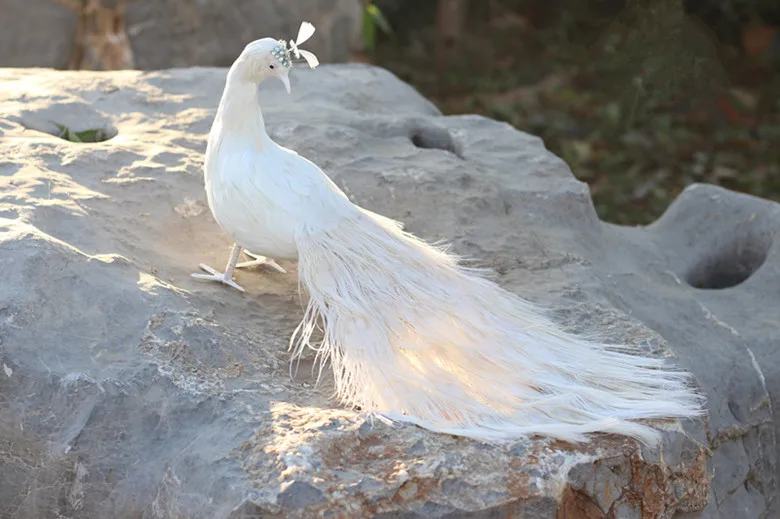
129	389
175	33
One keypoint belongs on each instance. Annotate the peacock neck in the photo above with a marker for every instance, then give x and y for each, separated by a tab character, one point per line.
239	108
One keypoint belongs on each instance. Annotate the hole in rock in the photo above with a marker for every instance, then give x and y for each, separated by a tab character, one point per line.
730	264
434	138
73	121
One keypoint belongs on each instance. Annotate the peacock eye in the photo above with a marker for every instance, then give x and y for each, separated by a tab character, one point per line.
270	66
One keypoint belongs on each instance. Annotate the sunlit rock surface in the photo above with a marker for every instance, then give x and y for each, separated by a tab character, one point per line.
129	389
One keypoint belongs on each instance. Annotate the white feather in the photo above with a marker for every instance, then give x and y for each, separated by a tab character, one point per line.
414	336
409	332
310	58
304	32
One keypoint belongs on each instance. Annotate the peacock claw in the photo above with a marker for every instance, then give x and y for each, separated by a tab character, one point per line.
260	260
213	275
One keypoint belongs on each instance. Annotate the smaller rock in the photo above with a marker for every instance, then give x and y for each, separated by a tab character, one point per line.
299	495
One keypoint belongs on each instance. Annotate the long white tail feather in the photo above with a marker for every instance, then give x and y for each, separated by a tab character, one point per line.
413	335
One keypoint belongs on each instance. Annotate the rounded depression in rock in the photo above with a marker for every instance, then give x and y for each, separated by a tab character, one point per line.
731	263
73	121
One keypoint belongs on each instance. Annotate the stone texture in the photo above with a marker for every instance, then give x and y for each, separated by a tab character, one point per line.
35	33
129	389
175	33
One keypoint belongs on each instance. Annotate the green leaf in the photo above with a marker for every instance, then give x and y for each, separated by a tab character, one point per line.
369	30
379	18
72	136
87	135
82	136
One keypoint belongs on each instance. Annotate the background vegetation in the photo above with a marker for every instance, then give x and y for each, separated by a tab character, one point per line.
641	98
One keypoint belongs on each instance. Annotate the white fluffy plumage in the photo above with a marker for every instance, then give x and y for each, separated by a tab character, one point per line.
410	333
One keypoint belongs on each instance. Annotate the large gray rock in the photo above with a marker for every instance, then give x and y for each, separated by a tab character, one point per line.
130	389
175	33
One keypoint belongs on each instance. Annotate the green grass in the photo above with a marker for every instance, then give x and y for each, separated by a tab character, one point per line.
81	137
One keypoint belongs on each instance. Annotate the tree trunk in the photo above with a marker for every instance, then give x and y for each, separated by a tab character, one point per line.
449	29
101	41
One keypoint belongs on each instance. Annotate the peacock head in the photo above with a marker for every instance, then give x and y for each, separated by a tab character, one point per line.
267	57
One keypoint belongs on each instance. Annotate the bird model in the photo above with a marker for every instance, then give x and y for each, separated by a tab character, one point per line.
410	333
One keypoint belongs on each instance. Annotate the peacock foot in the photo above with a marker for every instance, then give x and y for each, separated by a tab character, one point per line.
260	260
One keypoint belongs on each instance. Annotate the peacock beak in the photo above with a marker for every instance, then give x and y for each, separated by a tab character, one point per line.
284	78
